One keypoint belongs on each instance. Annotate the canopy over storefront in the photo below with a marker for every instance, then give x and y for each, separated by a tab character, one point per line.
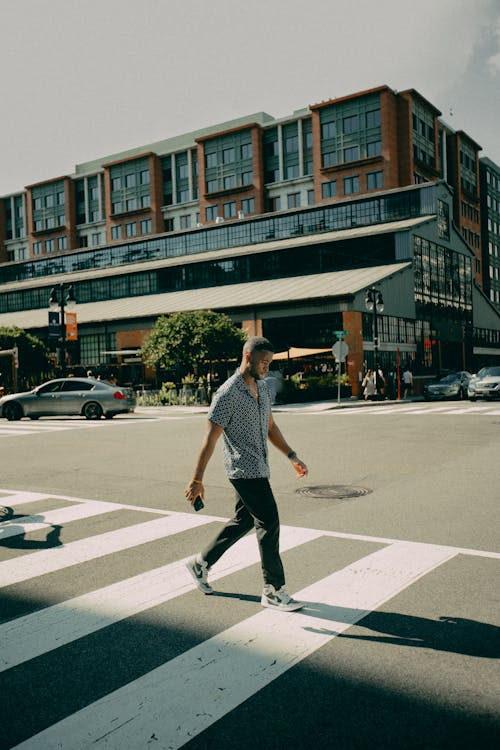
295	352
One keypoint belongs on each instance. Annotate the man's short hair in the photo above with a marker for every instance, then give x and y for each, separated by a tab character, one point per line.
257	344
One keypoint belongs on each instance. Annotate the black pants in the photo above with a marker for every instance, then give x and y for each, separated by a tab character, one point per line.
255	507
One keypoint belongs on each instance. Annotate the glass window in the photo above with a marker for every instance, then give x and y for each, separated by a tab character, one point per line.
116	183
185	221
329	189
49	246
351	154
350	124
374	180
117	207
228	155
373	118
246	151
182	196
49	201
146	226
131	204
310	197
330	159
131	229
246	178
229	182
229	209
293	200
130	180
62	242
211	213
144	177
374	148
248	205
291	144
328	130
60	198
37	248
37	203
211	186
116	232
292	171
145	201
351	185
211	160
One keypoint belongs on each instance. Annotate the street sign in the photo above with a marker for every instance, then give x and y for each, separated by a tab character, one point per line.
340	350
54	327
339	334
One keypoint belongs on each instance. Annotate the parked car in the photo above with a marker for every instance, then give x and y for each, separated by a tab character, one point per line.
87	397
453	385
486	384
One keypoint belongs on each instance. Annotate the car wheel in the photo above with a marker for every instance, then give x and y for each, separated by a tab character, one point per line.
472	398
12	411
109	416
92	410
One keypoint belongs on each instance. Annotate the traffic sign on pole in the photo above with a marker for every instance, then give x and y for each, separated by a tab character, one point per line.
340	350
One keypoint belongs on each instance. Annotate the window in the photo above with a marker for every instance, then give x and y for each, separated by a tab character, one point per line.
131	204
292	171
62	242
117	207
96	239
145	201
144	177
116	232
293	200
374	180
182	196
229	182
185	221
351	154
49	246
351	185
229	209
211	213
146	226
211	160
291	144
228	155
328	130
374	148
329	189
130	180
246	151
211	186
330	159
37	248
350	124
116	183
373	118
275	203
310	197
248	205
49	201
131	229
247	178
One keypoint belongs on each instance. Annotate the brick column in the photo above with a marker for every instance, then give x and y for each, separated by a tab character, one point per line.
353	322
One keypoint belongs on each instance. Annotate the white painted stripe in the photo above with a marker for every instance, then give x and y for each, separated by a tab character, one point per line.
30	636
180	699
7	433
471	410
58	517
495	412
13	498
57	558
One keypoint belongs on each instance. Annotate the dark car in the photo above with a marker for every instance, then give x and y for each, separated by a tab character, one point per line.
453	385
486	384
87	397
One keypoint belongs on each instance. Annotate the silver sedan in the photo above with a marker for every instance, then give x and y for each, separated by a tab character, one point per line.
87	397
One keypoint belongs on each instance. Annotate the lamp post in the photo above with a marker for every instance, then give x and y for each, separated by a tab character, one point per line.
61	298
375	304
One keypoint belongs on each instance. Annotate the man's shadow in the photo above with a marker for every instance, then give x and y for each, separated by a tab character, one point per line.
13	536
453	634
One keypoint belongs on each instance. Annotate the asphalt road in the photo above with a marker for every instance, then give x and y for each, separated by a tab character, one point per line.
105	644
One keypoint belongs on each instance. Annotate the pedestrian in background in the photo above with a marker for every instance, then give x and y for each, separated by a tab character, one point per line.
379	382
407	383
241	413
368	385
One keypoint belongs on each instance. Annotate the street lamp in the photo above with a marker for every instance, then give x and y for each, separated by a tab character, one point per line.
375	304
61	298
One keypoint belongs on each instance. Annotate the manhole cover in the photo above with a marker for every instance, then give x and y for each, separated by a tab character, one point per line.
334	491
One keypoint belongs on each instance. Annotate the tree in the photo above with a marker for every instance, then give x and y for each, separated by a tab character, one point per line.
33	363
190	340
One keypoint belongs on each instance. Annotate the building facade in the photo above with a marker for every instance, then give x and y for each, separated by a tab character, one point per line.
282	224
490	215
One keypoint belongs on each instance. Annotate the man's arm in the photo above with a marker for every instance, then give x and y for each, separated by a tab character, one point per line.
195	486
277	439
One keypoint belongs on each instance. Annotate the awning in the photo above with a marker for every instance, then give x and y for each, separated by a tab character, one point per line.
295	352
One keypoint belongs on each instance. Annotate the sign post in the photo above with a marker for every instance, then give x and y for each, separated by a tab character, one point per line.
340	350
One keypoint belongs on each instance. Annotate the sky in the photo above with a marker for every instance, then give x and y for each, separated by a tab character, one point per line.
85	79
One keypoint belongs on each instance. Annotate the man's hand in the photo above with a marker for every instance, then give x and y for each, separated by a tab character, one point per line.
193	489
300	467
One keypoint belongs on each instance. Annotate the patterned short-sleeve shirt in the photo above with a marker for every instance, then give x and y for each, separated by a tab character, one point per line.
246	424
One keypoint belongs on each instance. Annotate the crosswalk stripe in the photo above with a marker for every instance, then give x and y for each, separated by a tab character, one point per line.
51	560
13	498
180	699
77	512
32	635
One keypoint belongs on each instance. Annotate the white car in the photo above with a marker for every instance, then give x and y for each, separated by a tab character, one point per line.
486	384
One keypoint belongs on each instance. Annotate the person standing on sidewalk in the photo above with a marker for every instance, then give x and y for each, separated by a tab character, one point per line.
241	413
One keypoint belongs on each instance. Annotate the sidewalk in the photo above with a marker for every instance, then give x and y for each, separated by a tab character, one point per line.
345	403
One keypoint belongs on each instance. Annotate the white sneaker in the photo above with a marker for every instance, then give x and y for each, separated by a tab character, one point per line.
279	599
199	570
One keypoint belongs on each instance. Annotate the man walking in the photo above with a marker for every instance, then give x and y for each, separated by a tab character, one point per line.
241	413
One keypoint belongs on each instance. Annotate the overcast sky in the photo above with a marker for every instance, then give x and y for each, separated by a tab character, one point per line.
83	79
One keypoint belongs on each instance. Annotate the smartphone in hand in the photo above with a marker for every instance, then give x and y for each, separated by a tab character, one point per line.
198	503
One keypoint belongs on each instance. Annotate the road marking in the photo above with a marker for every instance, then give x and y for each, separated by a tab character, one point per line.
180	699
26	524
50	560
35	634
